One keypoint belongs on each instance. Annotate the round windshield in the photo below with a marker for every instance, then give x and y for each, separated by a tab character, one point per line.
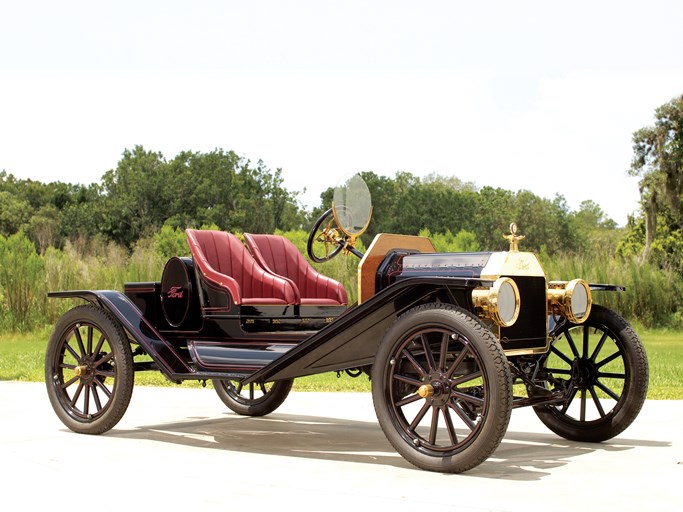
352	205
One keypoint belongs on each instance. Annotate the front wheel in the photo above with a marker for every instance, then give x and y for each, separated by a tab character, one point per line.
255	399
442	388
89	370
602	367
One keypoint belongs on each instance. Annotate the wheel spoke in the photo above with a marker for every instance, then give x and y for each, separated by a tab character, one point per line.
572	345
69	382
467	398
569	401
599	346
558	371
434	428
68	347
596	401
583	405
449	425
561	355
104	388
457	361
408	400
104	359
414	362
106	374
79	340
420	415
428	353
96	396
466	378
100	344
445	338
86	400
77	394
607	390
90	333
461	414
251	391
240	386
608	360
262	385
408	380
611	375
586	333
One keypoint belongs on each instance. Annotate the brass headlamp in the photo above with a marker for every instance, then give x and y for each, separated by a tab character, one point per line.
499	303
570	299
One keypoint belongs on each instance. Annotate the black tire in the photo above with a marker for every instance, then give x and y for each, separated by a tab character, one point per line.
447	348
255	399
89	370
323	237
605	377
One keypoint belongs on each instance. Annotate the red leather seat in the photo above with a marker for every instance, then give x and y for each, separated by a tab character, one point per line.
224	260
280	256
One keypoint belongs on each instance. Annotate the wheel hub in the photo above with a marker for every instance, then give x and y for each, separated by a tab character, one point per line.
437	390
584	373
85	371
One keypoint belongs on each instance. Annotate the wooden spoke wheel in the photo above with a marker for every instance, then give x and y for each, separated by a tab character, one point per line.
442	388
255	399
89	370
602	367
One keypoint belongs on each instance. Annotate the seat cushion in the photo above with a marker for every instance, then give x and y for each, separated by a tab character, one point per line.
224	260
280	256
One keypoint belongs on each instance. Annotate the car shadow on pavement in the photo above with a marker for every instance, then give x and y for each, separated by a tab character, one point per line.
520	456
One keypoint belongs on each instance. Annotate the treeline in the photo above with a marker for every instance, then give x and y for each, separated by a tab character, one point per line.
147	191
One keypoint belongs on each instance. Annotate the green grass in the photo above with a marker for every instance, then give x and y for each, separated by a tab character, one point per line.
22	358
665	357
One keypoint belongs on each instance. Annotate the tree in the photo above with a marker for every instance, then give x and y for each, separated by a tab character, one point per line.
14	213
658	161
595	231
134	196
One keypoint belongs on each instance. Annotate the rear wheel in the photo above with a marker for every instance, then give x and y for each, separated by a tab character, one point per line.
89	370
602	367
255	399
442	388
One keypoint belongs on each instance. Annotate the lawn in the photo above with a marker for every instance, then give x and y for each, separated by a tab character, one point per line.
22	355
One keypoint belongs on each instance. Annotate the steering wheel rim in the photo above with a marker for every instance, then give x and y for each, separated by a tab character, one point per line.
328	236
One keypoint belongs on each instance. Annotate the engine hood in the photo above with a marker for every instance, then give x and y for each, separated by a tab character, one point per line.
485	265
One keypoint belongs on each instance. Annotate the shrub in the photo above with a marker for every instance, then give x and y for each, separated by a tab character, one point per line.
21	275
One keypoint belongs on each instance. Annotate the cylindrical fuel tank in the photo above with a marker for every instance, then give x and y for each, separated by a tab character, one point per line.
179	298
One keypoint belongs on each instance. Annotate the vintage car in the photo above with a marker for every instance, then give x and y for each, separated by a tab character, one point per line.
452	342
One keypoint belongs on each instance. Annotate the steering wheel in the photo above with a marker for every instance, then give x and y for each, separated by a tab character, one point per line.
326	235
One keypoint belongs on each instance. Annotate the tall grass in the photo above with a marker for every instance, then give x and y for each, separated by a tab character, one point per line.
653	297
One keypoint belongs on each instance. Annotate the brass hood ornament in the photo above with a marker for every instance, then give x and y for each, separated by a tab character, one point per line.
513	238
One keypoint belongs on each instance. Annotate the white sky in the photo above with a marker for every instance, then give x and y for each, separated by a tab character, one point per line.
542	96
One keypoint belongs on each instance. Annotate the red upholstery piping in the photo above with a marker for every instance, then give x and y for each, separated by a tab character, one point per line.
225	261
280	256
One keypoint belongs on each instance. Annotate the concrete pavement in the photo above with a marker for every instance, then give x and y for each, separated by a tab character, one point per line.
181	448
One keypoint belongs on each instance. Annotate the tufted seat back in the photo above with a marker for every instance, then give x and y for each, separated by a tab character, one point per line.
224	260
280	256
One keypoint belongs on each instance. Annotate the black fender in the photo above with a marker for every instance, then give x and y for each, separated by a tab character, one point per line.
351	341
136	326
597	287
